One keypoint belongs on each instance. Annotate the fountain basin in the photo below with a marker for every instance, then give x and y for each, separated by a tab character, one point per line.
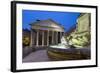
57	53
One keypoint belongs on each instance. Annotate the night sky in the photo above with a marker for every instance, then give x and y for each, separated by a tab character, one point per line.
66	19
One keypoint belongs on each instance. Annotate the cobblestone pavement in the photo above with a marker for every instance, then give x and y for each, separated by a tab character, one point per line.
41	55
37	56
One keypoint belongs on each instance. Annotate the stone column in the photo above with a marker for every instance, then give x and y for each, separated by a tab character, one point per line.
31	38
56	37
37	39
48	38
52	37
60	35
42	38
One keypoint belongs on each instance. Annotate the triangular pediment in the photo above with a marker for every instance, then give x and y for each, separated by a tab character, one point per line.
47	24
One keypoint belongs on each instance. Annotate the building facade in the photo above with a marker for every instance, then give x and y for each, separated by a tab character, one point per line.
26	37
81	36
83	22
47	32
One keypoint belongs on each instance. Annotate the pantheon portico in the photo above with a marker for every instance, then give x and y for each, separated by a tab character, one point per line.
45	33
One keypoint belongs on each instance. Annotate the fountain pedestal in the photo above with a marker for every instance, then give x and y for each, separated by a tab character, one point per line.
62	51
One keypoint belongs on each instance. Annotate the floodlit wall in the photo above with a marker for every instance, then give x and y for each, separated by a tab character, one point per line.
83	23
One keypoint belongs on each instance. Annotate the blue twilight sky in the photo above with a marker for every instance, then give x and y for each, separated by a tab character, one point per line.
66	19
